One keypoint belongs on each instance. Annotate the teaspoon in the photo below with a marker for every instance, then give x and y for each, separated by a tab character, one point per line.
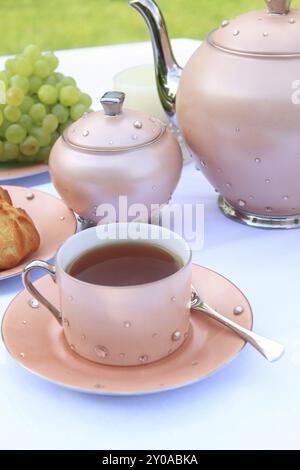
271	350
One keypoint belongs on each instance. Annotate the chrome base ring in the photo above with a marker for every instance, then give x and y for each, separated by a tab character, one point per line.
258	221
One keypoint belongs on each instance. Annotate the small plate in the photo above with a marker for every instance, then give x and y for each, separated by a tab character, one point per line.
12	171
35	340
53	220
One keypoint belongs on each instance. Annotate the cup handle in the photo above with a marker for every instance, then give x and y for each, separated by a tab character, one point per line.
37	264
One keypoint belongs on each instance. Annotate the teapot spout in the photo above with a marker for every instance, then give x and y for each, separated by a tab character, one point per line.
167	70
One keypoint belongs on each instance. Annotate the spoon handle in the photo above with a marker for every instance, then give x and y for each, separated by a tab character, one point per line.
271	350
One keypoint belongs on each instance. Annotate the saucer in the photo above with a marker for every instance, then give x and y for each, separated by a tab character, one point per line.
36	341
52	218
11	171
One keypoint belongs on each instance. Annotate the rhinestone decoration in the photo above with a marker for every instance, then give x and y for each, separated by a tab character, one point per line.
224	23
236	32
24	322
268	181
176	335
144	358
194	363
127	324
83	337
72	347
62	217
238	310
85	133
268	209
134	137
22	354
33	303
138	124
228	185
265	34
101	351
173	298
29	196
285	198
99	386
292	21
242	203
257	160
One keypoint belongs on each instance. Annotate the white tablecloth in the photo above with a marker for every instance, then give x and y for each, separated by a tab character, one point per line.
248	404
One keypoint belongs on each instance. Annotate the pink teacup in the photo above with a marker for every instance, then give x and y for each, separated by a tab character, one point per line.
121	326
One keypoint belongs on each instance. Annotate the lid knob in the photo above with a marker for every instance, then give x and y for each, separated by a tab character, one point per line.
112	102
281	7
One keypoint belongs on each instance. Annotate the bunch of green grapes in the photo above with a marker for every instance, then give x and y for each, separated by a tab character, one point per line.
40	104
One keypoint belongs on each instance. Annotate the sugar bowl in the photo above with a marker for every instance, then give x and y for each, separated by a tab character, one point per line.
114	153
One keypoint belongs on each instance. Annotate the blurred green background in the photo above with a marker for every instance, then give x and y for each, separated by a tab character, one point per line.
62	24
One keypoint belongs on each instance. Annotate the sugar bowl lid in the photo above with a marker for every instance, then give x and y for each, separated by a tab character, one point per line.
113	128
273	31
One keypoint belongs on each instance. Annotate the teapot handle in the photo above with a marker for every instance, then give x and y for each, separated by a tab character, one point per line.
279	7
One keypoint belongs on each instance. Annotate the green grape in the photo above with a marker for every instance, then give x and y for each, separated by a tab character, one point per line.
20	82
26	122
69	95
11	151
42	68
44	153
61	112
32	51
42	137
51	80
12	113
1	118
24	66
48	94
27	103
64	126
58	76
77	111
50	123
85	99
30	146
54	136
14	96
15	134
51	59
4	77
10	66
37	112
5	124
66	81
35	83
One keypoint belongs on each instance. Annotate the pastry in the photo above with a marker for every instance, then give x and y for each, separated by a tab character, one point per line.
18	235
4	196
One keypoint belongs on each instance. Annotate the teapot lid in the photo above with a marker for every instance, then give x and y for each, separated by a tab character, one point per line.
274	31
113	128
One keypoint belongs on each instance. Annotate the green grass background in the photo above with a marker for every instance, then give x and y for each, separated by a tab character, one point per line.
62	24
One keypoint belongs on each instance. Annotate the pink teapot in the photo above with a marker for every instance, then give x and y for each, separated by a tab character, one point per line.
237	104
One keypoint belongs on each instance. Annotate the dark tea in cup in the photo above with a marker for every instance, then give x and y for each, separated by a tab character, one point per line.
124	264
